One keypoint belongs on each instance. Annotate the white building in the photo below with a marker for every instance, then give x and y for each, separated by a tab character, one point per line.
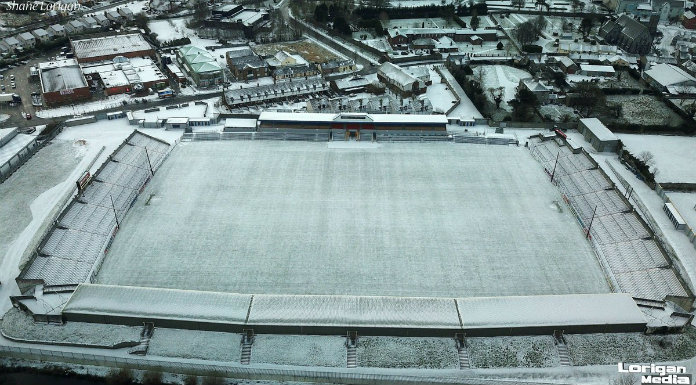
670	78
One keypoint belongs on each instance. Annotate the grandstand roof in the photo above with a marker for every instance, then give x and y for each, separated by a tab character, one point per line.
377	118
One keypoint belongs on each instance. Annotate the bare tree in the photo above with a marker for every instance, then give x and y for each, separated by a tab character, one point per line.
647	158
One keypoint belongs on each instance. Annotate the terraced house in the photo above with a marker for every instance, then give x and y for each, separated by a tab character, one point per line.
200	66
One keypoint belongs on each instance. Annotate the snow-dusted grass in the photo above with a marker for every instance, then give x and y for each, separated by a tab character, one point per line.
601	349
216	346
495	76
674	155
557	112
299	350
19	325
644	110
407	352
399	220
500	352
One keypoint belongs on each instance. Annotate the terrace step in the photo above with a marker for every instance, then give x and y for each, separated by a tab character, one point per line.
463	353
563	354
145	337
352	349
352	357
247	342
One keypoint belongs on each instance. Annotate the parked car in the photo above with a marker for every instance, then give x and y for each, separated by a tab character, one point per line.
28	116
12	77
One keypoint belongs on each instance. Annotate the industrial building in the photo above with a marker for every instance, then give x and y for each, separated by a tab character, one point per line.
63	82
108	47
598	135
123	75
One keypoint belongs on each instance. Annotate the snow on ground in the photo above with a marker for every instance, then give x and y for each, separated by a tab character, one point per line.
501	352
112	101
610	348
393	206
171	29
685	202
50	166
18	324
441	97
326	351
674	155
216	346
29	196
495	76
4	117
407	352
644	110
557	112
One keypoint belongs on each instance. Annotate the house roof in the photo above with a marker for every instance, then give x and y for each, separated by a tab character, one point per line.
61	75
598	129
669	75
199	60
110	45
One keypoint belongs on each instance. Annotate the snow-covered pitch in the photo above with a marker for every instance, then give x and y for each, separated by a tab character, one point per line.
417	219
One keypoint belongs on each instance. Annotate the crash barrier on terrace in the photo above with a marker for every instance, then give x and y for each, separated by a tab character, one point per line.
633	260
73	249
325	136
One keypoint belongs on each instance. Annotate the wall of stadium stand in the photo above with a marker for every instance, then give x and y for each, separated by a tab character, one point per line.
628	243
80	230
17	160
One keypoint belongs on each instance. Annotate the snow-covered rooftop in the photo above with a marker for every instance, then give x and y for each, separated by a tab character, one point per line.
555	310
598	129
110	45
669	75
61	75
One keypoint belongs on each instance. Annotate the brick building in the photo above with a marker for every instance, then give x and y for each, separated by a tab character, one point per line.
108	47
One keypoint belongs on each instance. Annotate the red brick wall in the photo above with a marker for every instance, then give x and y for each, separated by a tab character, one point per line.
78	95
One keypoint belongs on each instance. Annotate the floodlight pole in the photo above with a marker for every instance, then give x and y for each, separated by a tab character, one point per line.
148	161
553	173
113	207
591	220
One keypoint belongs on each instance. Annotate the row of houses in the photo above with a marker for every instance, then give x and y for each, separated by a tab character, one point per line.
85	24
400	37
246	64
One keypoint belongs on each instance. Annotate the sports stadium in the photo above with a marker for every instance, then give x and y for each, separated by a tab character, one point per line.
455	237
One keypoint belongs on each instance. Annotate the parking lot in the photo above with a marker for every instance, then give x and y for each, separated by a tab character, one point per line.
25	86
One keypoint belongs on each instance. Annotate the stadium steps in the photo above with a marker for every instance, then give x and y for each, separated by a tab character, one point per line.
145	336
563	354
247	342
463	355
562	348
352	356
